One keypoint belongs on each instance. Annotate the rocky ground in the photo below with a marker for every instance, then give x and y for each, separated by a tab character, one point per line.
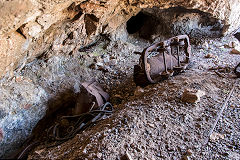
150	122
153	122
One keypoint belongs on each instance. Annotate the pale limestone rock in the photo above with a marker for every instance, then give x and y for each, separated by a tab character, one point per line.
138	91
215	136
31	29
209	55
235	51
192	96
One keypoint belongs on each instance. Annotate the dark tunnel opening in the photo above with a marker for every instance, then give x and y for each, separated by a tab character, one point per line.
154	22
135	23
144	24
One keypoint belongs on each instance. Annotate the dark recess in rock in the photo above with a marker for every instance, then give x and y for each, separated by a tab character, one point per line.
135	23
2	113
90	25
77	16
19	30
237	34
155	22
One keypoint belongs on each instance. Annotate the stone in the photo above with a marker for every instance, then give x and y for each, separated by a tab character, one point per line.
209	55
234	155
206	45
151	125
235	51
230	45
215	136
11	44
192	96
34	30
92	66
106	59
185	157
138	91
127	156
99	155
39	151
25	112
113	62
19	78
118	96
1	134
100	64
189	152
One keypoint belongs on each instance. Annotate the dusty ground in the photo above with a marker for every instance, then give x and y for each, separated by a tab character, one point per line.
157	125
152	123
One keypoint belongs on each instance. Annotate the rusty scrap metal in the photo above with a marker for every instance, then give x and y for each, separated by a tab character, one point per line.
96	100
162	60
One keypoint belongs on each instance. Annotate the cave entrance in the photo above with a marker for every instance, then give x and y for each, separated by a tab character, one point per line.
135	23
151	23
142	25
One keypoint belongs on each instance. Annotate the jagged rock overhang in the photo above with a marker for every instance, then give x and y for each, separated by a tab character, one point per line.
29	28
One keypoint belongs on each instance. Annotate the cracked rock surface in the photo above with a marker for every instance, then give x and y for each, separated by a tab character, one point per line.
29	28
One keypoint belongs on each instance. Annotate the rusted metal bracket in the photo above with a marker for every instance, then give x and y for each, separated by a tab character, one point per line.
162	60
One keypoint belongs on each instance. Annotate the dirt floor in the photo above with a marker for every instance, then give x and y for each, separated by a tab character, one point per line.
150	122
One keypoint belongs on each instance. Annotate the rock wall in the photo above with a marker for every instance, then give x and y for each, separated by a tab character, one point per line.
178	20
29	28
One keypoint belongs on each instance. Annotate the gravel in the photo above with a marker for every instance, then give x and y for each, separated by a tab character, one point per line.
150	122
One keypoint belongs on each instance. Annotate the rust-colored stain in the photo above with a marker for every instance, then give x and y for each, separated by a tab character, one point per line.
1	134
27	106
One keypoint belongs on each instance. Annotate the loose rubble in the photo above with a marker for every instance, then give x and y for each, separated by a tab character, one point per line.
235	51
192	96
156	125
209	55
215	136
138	91
153	123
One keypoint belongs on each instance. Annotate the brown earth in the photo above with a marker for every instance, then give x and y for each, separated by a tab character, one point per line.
153	122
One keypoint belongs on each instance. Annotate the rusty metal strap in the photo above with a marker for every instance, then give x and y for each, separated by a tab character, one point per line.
82	121
95	89
161	60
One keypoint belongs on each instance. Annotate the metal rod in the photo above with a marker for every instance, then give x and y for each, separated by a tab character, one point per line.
164	60
29	147
178	56
171	53
221	111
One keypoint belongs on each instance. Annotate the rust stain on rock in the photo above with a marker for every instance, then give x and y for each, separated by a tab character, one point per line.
1	135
